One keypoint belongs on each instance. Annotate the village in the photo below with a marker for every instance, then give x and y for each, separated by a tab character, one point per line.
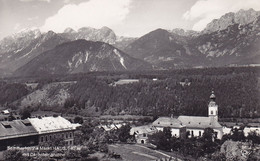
50	131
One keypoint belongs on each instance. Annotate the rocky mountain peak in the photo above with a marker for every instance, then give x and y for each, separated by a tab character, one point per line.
69	30
182	32
242	17
19	40
86	29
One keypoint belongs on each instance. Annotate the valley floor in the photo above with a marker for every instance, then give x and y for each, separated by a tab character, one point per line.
131	152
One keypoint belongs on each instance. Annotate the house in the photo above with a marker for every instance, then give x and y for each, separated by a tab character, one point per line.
176	126
17	133
50	128
141	133
5	112
193	126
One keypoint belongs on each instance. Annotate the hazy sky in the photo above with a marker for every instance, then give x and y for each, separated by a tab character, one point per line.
125	17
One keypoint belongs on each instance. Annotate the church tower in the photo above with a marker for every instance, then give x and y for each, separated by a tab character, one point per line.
213	107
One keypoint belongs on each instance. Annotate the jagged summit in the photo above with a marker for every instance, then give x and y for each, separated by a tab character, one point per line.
69	30
242	17
233	39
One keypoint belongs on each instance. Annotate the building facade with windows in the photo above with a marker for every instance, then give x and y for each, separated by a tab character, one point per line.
176	126
193	126
51	128
141	133
35	131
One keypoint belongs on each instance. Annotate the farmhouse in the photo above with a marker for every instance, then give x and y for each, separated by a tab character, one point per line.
141	133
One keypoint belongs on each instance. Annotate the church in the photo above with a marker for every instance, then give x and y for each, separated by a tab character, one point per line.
194	125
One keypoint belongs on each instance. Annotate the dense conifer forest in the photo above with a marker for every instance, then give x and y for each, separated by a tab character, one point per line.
177	92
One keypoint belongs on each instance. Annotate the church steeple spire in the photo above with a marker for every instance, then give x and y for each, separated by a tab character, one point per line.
213	107
212	96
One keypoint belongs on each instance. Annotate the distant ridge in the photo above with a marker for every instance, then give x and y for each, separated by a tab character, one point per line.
81	56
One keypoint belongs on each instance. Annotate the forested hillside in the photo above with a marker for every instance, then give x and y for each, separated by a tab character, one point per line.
237	91
177	92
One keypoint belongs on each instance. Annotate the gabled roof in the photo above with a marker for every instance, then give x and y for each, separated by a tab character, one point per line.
168	122
199	122
146	129
51	124
16	128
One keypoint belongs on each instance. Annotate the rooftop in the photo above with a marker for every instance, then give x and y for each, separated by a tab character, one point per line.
168	122
199	122
51	124
15	128
147	129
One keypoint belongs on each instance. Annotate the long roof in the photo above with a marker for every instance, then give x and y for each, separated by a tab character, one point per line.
168	122
51	124
147	129
199	122
16	128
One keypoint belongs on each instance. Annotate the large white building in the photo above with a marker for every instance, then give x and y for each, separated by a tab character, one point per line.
50	128
34	131
194	125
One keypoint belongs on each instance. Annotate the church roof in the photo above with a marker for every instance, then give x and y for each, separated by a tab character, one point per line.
168	122
199	122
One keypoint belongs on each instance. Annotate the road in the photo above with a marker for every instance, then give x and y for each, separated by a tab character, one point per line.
136	152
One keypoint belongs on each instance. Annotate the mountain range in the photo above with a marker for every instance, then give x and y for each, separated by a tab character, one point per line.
81	56
231	40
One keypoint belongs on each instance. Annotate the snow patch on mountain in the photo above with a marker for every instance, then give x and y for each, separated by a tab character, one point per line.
122	60
37	45
86	57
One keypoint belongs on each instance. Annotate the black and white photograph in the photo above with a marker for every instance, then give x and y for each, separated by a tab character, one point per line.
129	80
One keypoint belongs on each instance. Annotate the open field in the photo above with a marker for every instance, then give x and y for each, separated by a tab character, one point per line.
130	152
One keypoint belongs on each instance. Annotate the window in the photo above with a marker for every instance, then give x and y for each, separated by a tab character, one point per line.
199	133
6	125
26	122
50	137
211	112
192	134
70	135
158	122
42	139
46	138
216	134
144	135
